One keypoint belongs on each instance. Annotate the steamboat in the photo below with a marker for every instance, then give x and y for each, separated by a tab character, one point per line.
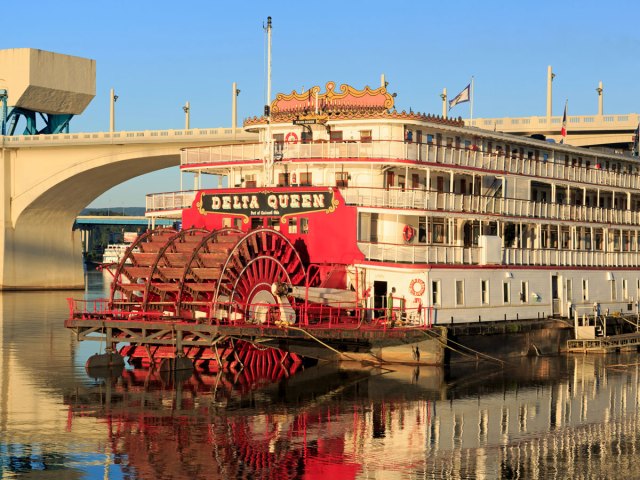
351	230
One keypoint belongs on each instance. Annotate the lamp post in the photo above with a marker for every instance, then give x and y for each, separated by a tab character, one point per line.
187	115
234	107
600	99
113	98
550	77
443	96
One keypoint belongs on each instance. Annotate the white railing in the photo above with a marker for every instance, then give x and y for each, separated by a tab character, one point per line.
158	202
433	201
144	136
510	207
435	154
457	255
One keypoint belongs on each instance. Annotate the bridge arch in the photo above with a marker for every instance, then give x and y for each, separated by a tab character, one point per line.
46	187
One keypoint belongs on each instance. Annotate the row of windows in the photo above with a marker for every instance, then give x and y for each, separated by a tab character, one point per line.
293	225
436	292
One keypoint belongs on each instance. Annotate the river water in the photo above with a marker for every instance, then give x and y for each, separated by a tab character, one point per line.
545	417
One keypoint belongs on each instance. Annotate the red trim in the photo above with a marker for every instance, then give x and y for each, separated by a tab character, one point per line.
438	266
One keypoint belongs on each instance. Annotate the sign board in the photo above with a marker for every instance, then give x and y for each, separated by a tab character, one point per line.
307	121
266	203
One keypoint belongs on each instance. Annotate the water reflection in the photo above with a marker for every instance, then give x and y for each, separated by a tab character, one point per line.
547	417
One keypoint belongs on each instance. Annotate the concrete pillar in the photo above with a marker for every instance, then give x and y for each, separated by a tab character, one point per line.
550	76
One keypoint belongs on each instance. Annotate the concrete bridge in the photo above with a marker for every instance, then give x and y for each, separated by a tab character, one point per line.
49	179
613	130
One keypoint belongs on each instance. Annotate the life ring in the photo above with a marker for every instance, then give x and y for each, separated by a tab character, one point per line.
292	137
417	287
407	233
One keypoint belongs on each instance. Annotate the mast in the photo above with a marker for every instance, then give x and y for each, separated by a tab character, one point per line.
268	160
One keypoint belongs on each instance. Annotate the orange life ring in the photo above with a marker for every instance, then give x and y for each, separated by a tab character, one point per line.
407	233
417	287
292	137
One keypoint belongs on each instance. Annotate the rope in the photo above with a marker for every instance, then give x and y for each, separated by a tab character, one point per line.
479	355
321	342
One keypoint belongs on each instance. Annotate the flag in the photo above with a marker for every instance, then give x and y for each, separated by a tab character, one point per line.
563	130
462	97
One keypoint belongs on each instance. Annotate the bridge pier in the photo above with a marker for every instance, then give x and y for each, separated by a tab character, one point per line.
41	252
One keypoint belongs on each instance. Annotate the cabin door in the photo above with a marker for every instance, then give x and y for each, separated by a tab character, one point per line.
379	298
555	297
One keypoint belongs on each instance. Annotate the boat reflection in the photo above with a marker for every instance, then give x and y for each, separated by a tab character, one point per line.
550	416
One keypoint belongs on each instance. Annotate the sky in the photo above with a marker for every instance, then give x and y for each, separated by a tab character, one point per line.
158	54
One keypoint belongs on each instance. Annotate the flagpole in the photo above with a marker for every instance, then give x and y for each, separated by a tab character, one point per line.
471	103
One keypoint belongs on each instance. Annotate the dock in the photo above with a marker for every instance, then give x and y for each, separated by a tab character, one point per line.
609	344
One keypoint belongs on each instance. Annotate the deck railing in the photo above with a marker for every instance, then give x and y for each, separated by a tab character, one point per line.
459	255
422	200
465	157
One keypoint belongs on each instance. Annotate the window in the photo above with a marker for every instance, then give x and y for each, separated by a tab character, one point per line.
250	181
307	136
293	225
283	179
585	290
429	139
613	289
365	136
506	292
274	222
625	290
226	222
438	233
569	286
256	222
422	230
342	179
335	136
305	179
304	225
524	292
415	180
459	292
435	292
484	292
237	222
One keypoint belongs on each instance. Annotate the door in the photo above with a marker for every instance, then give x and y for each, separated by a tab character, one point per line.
555	298
379	298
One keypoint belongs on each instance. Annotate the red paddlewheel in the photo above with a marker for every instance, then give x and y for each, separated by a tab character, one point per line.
196	274
133	271
260	259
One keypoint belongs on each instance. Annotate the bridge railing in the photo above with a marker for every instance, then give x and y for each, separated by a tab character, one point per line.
142	136
472	157
583	122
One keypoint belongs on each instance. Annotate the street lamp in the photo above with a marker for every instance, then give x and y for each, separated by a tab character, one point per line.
187	115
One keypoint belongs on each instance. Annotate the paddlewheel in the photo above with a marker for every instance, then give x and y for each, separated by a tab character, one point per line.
208	277
199	275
